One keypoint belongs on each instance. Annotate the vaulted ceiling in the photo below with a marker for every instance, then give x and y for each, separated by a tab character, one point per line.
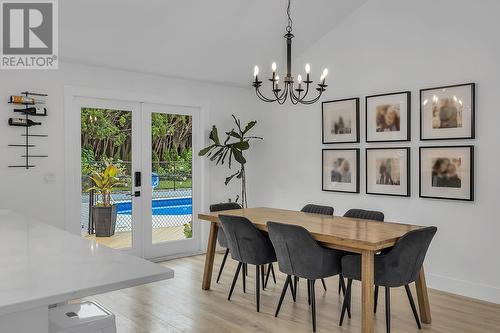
208	40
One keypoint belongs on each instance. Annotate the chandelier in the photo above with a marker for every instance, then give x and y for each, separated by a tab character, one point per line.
299	91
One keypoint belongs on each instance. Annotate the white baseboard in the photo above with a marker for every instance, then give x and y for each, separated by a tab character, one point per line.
464	288
177	255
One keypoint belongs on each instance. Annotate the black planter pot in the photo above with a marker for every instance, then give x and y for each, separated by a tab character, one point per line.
104	220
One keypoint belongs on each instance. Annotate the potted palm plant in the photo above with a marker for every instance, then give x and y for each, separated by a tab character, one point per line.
104	212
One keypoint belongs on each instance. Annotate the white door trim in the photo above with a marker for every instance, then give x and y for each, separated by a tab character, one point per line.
72	145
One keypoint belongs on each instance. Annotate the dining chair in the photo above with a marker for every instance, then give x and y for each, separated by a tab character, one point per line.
366	215
221	237
314	209
248	246
397	268
300	255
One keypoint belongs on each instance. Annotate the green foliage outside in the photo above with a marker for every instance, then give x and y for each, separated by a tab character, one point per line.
106	134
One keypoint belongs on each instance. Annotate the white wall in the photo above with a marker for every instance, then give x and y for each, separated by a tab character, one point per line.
388	46
27	192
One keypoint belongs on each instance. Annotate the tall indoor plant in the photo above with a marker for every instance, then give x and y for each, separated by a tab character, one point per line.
234	146
104	212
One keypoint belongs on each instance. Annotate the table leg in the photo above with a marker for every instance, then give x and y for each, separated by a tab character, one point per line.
209	258
367	283
423	298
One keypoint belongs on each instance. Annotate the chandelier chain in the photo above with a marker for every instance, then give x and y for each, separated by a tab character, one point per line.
290	21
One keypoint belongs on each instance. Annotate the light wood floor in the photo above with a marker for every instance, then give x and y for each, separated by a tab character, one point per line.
179	305
122	240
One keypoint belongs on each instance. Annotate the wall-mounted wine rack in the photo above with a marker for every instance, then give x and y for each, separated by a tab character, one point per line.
28	124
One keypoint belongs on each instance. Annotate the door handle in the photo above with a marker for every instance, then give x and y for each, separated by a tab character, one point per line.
135	194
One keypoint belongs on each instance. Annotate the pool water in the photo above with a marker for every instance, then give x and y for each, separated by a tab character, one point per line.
164	206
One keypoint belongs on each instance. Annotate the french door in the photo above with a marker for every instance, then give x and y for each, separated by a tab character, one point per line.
156	199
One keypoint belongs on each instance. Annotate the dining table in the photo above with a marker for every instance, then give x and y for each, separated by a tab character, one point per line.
366	237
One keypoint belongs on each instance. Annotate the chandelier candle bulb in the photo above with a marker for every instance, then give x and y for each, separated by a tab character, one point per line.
255	72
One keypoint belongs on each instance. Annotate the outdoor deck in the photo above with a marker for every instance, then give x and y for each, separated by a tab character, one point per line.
122	240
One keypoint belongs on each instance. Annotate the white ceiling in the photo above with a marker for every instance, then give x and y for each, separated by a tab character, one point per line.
208	40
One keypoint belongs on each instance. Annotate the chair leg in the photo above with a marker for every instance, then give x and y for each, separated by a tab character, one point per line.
345	304
293	290
222	265
263	276
295	285
388	309
245	266
375	301
283	292
413	308
272	272
341	284
234	280
244	278
313	304
257	286
324	284
267	275
308	293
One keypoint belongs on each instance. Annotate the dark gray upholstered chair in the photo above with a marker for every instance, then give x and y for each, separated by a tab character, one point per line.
314	209
366	215
397	268
248	246
221	237
300	255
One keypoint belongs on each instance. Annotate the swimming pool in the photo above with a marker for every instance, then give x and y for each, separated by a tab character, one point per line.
163	206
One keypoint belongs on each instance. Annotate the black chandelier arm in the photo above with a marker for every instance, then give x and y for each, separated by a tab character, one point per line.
262	97
303	100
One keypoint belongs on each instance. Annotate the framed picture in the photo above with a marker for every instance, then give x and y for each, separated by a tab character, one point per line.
340	123
388	117
388	171
447	172
447	113
340	170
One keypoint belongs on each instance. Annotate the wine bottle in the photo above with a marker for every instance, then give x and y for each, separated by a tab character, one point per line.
22	122
16	99
33	111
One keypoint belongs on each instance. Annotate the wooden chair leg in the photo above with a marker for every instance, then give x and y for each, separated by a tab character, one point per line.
313	304
388	309
234	280
222	265
345	304
324	284
375	300
257	287
413	308
283	292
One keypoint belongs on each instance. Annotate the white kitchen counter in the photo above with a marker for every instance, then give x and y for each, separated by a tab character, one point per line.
41	265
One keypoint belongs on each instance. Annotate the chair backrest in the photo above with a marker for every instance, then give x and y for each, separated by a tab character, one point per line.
246	243
224	206
317	209
365	214
297	251
221	237
404	262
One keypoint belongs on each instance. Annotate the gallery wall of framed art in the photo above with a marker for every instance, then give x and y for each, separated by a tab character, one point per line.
444	171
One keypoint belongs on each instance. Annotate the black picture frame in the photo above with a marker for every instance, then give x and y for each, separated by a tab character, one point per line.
408	171
471	172
323	121
408	116
473	112
357	150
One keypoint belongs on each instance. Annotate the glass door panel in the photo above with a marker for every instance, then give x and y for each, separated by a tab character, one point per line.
109	135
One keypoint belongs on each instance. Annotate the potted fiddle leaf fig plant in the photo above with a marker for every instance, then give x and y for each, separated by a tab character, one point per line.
104	211
234	146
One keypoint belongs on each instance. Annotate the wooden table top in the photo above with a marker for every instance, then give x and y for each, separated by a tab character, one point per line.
338	232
